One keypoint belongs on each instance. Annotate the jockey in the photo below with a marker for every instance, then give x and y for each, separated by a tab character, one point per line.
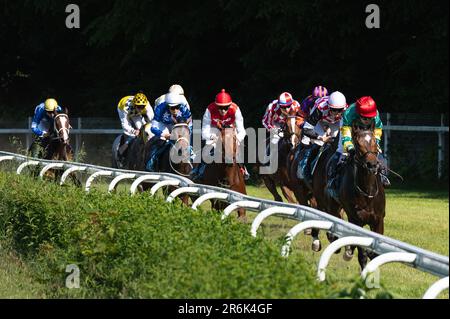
42	124
309	102
135	113
177	89
364	113
173	110
222	112
322	127
277	113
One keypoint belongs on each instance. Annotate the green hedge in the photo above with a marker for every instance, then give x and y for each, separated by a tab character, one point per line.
141	247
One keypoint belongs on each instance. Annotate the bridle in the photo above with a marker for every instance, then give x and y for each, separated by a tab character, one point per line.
286	132
359	162
62	129
182	138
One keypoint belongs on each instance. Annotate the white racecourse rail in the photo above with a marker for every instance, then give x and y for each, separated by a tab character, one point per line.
349	234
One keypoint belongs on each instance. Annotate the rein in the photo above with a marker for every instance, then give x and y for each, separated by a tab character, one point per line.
189	162
58	131
358	162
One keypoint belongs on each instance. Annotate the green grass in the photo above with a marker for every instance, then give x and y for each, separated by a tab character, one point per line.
141	247
416	217
16	279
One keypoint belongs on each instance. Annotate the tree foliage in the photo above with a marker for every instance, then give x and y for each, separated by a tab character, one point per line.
255	49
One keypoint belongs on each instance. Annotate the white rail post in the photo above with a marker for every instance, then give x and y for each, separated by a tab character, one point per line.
377	262
49	167
436	289
335	246
267	213
182	190
318	224
247	204
91	179
142	179
159	185
209	196
440	150
25	164
117	180
69	171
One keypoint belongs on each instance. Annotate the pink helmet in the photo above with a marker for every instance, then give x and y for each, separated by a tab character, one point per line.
285	100
320	91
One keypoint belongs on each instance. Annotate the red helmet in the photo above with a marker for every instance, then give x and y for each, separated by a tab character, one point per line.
366	107
285	100
223	99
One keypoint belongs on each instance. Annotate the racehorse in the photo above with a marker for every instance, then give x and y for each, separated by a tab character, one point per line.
59	147
360	190
135	155
175	153
290	132
321	199
227	170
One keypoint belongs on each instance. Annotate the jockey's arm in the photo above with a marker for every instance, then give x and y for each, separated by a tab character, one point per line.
378	128
37	118
149	114
127	127
268	118
309	126
240	129
206	126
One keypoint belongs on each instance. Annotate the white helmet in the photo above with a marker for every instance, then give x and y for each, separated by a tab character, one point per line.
177	89
337	101
173	99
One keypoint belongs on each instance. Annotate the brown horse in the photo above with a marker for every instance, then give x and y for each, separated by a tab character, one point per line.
59	147
226	171
291	132
361	191
319	183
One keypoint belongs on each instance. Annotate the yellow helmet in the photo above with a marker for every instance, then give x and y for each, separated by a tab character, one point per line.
140	100
50	105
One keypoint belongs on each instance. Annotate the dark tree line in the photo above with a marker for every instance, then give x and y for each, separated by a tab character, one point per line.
255	49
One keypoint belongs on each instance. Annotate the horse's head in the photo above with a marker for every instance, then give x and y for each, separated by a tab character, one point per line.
292	127
181	147
62	127
229	144
366	148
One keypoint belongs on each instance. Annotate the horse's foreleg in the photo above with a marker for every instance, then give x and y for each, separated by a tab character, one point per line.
316	244
272	187
362	257
288	194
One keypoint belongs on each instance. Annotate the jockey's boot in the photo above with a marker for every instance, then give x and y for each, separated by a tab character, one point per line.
198	172
303	164
152	158
331	175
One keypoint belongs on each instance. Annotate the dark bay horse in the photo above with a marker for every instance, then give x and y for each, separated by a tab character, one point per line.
175	154
361	191
226	171
291	132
